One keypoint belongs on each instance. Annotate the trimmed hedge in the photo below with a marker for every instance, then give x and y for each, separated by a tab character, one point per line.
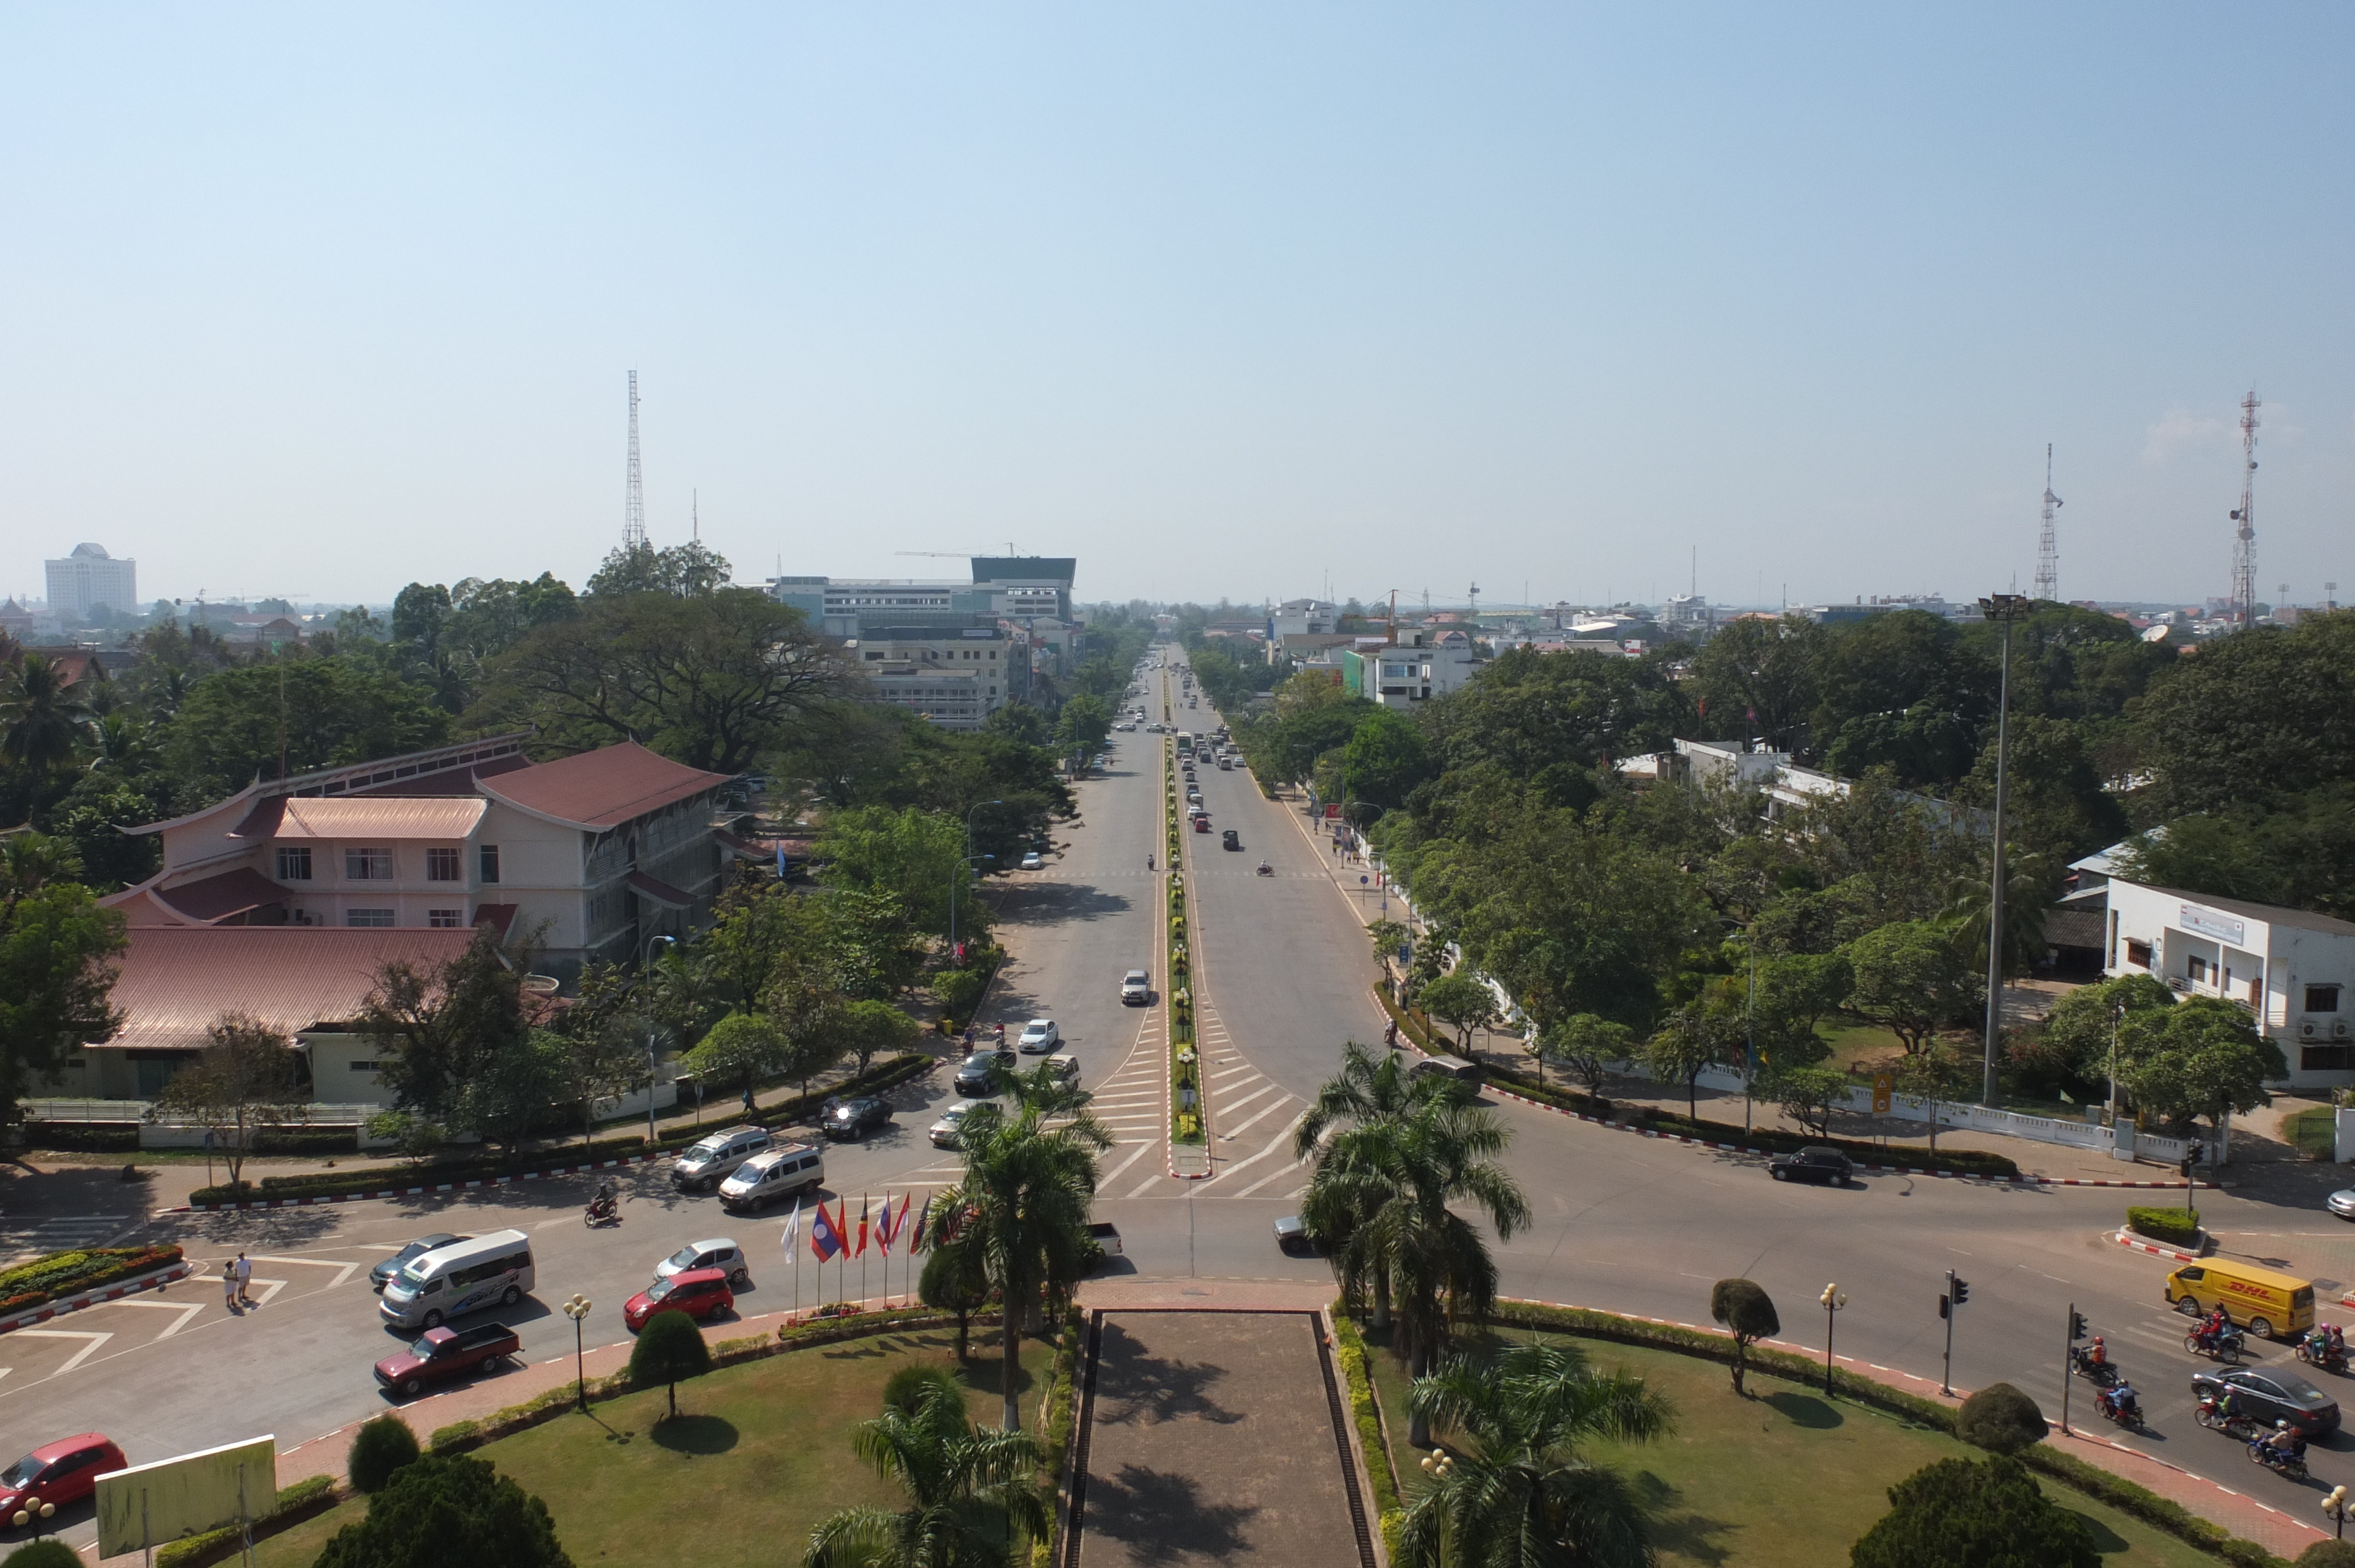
44	1279
1062	1412
2144	1504
1366	1414
347	1183
2180	1226
82	1137
306	1499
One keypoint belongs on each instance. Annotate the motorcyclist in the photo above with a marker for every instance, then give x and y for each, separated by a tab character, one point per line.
1263	868
2118	1400
2228	1404
2285	1443
2337	1341
2098	1354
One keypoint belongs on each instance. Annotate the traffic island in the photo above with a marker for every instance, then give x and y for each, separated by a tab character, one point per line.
1190	1139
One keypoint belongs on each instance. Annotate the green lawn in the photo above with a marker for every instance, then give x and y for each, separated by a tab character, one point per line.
1784	1479
2314	1130
1858	1042
759	1453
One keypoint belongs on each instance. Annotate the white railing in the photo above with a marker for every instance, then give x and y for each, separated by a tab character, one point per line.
132	1112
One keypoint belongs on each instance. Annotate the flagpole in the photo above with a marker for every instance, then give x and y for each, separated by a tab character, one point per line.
794	1244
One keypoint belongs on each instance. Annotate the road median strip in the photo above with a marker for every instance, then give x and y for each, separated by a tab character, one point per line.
153	1280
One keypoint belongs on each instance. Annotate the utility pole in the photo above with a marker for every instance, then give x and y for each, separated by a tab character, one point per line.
2047	543
2005	608
2245	538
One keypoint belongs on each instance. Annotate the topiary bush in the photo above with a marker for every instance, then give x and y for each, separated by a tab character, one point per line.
2000	1419
2321	1554
49	1553
670	1347
452	1511
1748	1313
1956	1513
2180	1226
378	1449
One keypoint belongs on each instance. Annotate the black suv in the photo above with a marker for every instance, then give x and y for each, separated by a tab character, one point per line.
1813	1163
1230	840
973	1077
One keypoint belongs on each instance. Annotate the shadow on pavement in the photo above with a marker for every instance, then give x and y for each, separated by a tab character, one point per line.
1160	1517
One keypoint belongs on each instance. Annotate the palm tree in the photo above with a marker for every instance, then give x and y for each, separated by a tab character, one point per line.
1370	1092
1523	1498
41	721
1025	1200
970	1487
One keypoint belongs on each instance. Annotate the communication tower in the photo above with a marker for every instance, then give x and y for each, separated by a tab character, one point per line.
633	518
2047	543
2245	538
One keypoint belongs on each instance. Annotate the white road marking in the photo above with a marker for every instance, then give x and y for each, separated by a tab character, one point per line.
80	1356
1229	1107
1147	1185
1123	1165
1231	1071
185	1310
1264	1180
1265	1112
344	1270
1281	1143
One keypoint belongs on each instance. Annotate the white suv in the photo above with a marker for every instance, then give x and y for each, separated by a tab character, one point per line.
708	1163
1136	988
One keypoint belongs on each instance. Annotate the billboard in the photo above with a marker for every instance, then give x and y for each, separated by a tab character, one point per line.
148	1505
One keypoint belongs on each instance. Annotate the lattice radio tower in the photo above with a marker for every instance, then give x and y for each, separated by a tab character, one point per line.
634	514
2047	543
2244	538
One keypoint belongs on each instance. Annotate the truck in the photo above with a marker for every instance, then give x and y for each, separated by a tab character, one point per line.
440	1354
1106	1235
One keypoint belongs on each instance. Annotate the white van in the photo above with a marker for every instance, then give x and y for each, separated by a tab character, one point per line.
779	1174
491	1270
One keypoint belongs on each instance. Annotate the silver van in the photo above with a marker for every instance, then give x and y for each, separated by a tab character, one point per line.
1446	1067
494	1270
702	1166
779	1174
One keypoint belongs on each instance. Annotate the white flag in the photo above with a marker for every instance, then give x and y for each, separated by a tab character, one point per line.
793	1228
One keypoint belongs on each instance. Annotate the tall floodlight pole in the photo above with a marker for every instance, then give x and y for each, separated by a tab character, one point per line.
2005	608
2245	538
2048	540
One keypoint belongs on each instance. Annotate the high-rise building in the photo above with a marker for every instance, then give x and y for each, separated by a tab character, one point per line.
91	578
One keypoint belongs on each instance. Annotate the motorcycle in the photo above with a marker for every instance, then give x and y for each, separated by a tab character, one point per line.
1265	869
2083	1364
2292	1464
602	1211
2233	1425
2321	1355
2125	1412
2223	1345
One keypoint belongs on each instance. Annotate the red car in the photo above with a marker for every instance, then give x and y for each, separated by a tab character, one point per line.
698	1292
63	1472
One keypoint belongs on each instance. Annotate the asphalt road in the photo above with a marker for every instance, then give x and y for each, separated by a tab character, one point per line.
1621	1222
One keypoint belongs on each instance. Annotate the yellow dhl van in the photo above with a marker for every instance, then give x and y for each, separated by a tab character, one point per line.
2261	1300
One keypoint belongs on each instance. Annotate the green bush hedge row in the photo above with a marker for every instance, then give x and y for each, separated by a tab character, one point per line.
82	1137
306	1499
1366	1415
2180	1226
1062	1410
63	1273
2094	1482
344	1183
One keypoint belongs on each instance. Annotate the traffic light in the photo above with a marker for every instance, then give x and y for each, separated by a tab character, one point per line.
1945	1307
1962	1291
2076	1325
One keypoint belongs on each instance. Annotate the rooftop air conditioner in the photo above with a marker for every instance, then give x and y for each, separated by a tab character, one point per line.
2341	1030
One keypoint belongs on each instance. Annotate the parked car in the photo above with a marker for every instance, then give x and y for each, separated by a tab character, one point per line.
1038	1036
976	1075
698	1292
62	1472
718	1252
2272	1395
1292	1238
779	1173
2342	1202
703	1165
384	1271
440	1354
1230	840
1136	988
1202	821
1815	1162
855	1117
1031	861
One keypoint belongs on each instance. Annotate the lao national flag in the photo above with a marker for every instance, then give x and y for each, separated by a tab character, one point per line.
825	1234
861	1251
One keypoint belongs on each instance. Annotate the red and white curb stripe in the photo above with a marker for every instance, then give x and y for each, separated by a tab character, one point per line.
1890	1170
75	1303
2135	1243
412	1191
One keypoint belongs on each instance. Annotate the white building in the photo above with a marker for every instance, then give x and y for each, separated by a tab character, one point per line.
2293	972
955	678
1412	671
91	578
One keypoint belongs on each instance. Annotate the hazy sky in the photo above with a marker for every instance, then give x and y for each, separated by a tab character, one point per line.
1218	298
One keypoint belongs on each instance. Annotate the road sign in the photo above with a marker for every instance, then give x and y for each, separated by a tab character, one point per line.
1883	1086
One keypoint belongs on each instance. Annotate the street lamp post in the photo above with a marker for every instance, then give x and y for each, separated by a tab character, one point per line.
577	1308
966	862
1833	1300
645	961
2336	1508
2005	608
33	1511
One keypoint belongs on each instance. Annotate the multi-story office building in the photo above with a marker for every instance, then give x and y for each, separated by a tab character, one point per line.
90	578
953	676
1009	588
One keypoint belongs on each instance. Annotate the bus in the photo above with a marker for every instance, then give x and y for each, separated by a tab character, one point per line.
1185	743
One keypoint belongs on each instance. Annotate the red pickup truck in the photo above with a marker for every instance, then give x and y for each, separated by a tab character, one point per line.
442	1354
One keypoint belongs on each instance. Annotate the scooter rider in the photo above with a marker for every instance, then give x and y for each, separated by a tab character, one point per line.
2285	1443
2118	1400
2099	1355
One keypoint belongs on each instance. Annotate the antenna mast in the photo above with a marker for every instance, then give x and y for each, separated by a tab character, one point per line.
2047	543
633	512
2244	538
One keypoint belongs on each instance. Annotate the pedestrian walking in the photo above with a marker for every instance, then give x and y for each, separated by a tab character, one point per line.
244	1280
751	1104
229	1283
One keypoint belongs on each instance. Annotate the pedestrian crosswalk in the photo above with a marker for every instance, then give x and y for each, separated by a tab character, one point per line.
31	1237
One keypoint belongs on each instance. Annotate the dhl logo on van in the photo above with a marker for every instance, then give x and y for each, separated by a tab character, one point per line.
2242	1288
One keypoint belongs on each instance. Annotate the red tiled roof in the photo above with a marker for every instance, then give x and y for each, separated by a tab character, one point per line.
661	891
212	898
176	979
441	817
602	789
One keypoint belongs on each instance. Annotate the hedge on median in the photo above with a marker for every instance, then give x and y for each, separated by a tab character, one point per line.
2179	1227
44	1279
306	1499
349	1183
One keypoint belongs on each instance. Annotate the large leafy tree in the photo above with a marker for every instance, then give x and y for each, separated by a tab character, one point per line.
55	979
2261	715
44	721
443	1032
1385	759
1758	678
1912	980
245	1078
970	1500
1520	1494
289	715
912	857
1900	689
2204	1057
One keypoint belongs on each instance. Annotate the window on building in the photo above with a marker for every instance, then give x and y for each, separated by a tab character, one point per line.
442	865
2322	999
2196	967
368	866
446	919
367	916
2138	953
2326	1059
489	855
295	863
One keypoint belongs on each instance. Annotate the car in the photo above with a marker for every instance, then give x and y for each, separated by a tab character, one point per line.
855	1117
1202	822
1031	861
1230	840
2342	1202
1226	765
62	1472
946	1132
440	1354
2272	1395
1039	1037
1292	1238
779	1173
1137	989
1066	1068
976	1075
698	1292
1815	1162
706	1163
384	1271
1446	1067
718	1253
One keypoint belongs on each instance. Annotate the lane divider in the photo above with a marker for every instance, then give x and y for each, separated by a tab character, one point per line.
75	1303
2133	1242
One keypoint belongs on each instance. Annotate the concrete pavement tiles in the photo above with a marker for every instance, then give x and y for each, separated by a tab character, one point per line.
1206	1435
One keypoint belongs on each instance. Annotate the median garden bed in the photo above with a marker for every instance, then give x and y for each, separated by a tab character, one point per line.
45	1279
1186	1107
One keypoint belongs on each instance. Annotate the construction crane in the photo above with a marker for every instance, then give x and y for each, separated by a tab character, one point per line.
957	555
